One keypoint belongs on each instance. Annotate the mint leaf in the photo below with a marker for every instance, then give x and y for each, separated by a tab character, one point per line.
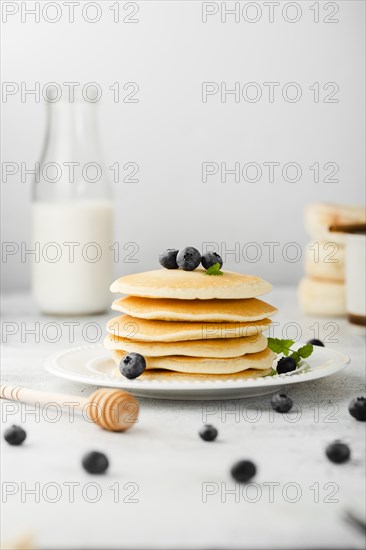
287	346
275	344
280	346
305	351
284	346
214	270
296	356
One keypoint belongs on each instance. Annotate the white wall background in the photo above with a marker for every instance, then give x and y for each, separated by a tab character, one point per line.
170	131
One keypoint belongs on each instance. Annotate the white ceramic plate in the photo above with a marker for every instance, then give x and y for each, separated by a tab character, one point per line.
93	365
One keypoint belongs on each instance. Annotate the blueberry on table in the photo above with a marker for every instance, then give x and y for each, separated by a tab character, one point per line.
357	408
211	258
208	432
95	462
132	365
243	471
15	435
338	452
286	364
168	258
188	258
281	403
316	342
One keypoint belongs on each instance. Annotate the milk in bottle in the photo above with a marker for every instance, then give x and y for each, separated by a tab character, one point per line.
72	216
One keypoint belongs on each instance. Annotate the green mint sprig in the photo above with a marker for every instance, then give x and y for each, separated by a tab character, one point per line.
284	346
214	270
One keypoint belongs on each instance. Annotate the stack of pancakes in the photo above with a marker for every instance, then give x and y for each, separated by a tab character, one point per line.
322	290
190	324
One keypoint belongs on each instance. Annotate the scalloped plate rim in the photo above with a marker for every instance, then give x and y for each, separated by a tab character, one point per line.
53	366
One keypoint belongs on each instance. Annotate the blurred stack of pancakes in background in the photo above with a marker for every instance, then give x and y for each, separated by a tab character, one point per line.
188	324
322	290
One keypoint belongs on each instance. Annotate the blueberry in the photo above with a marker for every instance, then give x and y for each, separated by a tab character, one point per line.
168	258
95	462
211	258
188	258
281	403
132	365
286	364
243	471
338	452
316	342
208	432
357	408
15	435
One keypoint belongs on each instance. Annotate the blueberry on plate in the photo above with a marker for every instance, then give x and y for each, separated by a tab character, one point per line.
281	403
357	408
286	364
208	432
95	462
211	258
168	258
315	342
188	258
132	365
243	471
15	435
338	452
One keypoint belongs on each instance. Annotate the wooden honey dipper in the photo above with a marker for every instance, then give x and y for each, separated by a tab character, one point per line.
113	410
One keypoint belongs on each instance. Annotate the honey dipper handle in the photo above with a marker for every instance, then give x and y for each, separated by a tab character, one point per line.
16	393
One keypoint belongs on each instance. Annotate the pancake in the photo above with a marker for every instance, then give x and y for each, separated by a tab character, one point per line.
133	328
320	216
167	309
325	260
206	365
228	347
160	375
322	297
190	285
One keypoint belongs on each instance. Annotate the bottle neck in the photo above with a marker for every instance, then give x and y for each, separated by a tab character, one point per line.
71	164
72	131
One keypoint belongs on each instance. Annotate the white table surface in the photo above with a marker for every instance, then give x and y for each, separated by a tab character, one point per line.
163	457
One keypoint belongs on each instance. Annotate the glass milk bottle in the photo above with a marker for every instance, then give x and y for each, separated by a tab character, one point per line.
72	216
